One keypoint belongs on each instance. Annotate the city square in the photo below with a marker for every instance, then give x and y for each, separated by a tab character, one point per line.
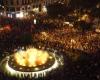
49	40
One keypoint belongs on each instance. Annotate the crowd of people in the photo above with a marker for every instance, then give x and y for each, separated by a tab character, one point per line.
70	41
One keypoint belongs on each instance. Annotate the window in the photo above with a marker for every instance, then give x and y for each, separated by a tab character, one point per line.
23	1
28	1
18	9
6	2
12	9
17	2
12	3
28	7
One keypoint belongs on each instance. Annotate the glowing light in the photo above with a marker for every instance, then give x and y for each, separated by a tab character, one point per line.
9	15
37	74
86	18
44	9
68	23
31	57
20	15
44	34
37	71
35	21
97	30
36	10
17	15
73	41
1	13
6	28
42	73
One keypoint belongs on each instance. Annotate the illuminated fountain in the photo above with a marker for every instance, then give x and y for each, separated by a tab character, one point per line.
32	62
31	58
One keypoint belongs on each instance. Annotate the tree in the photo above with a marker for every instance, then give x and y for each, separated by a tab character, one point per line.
56	9
83	3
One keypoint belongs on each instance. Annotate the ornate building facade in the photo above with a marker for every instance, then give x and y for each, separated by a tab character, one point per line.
15	8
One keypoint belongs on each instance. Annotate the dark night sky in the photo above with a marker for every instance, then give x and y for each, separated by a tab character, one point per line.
1	2
88	3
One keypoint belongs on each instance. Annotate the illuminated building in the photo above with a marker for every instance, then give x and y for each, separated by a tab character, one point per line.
20	8
16	8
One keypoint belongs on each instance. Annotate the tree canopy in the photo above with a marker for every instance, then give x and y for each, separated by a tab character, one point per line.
57	9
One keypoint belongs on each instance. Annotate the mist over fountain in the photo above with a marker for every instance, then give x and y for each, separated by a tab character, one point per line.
31	62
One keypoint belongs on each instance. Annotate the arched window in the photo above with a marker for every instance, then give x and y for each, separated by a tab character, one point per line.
22	8
12	9
28	7
23	2
6	2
